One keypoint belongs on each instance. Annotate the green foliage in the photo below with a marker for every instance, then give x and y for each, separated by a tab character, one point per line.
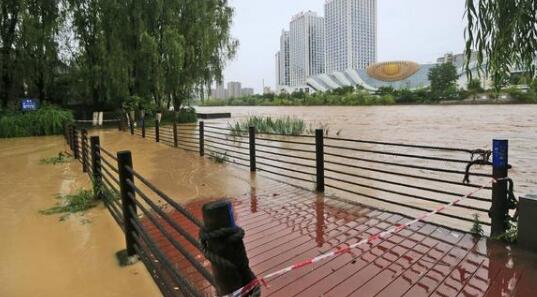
29	62
443	80
48	120
185	115
219	157
522	96
503	33
98	52
78	202
511	235
343	96
61	158
282	126
477	228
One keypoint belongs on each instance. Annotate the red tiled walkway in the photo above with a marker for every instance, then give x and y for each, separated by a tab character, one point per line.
285	225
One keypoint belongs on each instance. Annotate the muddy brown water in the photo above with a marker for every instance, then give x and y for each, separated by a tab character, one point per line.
41	256
454	126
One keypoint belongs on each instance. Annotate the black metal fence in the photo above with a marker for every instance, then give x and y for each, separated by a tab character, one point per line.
145	214
397	176
411	177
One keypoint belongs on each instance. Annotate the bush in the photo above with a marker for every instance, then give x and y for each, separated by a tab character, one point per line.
184	116
529	96
48	120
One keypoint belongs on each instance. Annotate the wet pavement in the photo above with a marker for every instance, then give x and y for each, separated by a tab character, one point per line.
285	224
41	256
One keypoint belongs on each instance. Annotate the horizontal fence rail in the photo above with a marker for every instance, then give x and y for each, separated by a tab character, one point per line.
151	211
415	177
405	176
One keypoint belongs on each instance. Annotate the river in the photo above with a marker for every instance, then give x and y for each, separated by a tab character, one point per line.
467	126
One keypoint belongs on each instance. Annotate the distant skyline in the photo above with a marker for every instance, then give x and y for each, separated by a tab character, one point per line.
416	30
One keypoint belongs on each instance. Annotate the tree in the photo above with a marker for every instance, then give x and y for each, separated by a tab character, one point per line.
504	34
443	80
474	88
38	46
9	18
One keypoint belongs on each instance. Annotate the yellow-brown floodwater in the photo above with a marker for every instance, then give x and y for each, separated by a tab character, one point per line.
41	256
466	126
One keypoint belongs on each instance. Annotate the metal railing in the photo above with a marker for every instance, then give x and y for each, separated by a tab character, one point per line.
407	176
145	213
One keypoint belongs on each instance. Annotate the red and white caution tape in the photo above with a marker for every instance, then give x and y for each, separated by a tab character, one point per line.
344	249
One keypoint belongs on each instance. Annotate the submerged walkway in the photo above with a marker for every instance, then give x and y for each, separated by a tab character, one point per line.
286	225
43	256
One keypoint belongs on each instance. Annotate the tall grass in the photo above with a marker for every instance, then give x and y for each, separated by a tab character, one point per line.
284	126
48	120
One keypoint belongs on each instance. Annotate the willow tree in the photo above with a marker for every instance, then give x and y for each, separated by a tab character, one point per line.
159	50
9	18
504	35
196	45
38	46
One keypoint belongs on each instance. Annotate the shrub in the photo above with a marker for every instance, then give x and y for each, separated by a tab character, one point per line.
184	116
48	120
529	96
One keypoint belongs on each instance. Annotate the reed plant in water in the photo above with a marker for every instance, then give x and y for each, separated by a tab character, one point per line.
283	126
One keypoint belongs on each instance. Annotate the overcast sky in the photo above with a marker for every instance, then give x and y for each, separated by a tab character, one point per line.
416	30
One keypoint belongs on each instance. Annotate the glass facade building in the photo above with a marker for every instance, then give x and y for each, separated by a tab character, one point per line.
306	47
351	34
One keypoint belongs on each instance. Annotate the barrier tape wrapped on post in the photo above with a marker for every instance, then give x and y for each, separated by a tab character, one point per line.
223	246
263	280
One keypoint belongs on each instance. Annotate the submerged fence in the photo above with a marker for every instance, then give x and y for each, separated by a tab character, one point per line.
411	177
401	177
143	213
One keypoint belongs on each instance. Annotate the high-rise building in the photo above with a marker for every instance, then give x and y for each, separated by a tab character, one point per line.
278	67
306	47
220	92
284	76
351	34
234	89
247	92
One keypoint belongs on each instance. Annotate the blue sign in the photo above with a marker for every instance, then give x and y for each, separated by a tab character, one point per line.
500	153
29	104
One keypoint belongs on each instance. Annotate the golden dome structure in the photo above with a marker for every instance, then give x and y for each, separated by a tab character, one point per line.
393	70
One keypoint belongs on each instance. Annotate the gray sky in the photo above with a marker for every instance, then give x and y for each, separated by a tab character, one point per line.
416	30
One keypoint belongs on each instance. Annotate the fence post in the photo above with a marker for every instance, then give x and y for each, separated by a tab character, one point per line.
76	144
157	130
84	140
499	210
71	146
66	131
218	216
95	144
131	122
202	136
143	127
319	152
175	142
251	132
126	183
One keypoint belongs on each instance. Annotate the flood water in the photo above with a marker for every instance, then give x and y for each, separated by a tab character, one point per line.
465	126
41	256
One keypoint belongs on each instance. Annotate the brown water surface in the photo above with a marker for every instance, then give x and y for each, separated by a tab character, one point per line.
457	126
41	256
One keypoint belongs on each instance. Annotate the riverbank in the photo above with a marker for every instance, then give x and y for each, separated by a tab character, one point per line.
469	101
43	256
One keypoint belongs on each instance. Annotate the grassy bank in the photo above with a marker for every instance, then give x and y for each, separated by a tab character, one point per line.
48	120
